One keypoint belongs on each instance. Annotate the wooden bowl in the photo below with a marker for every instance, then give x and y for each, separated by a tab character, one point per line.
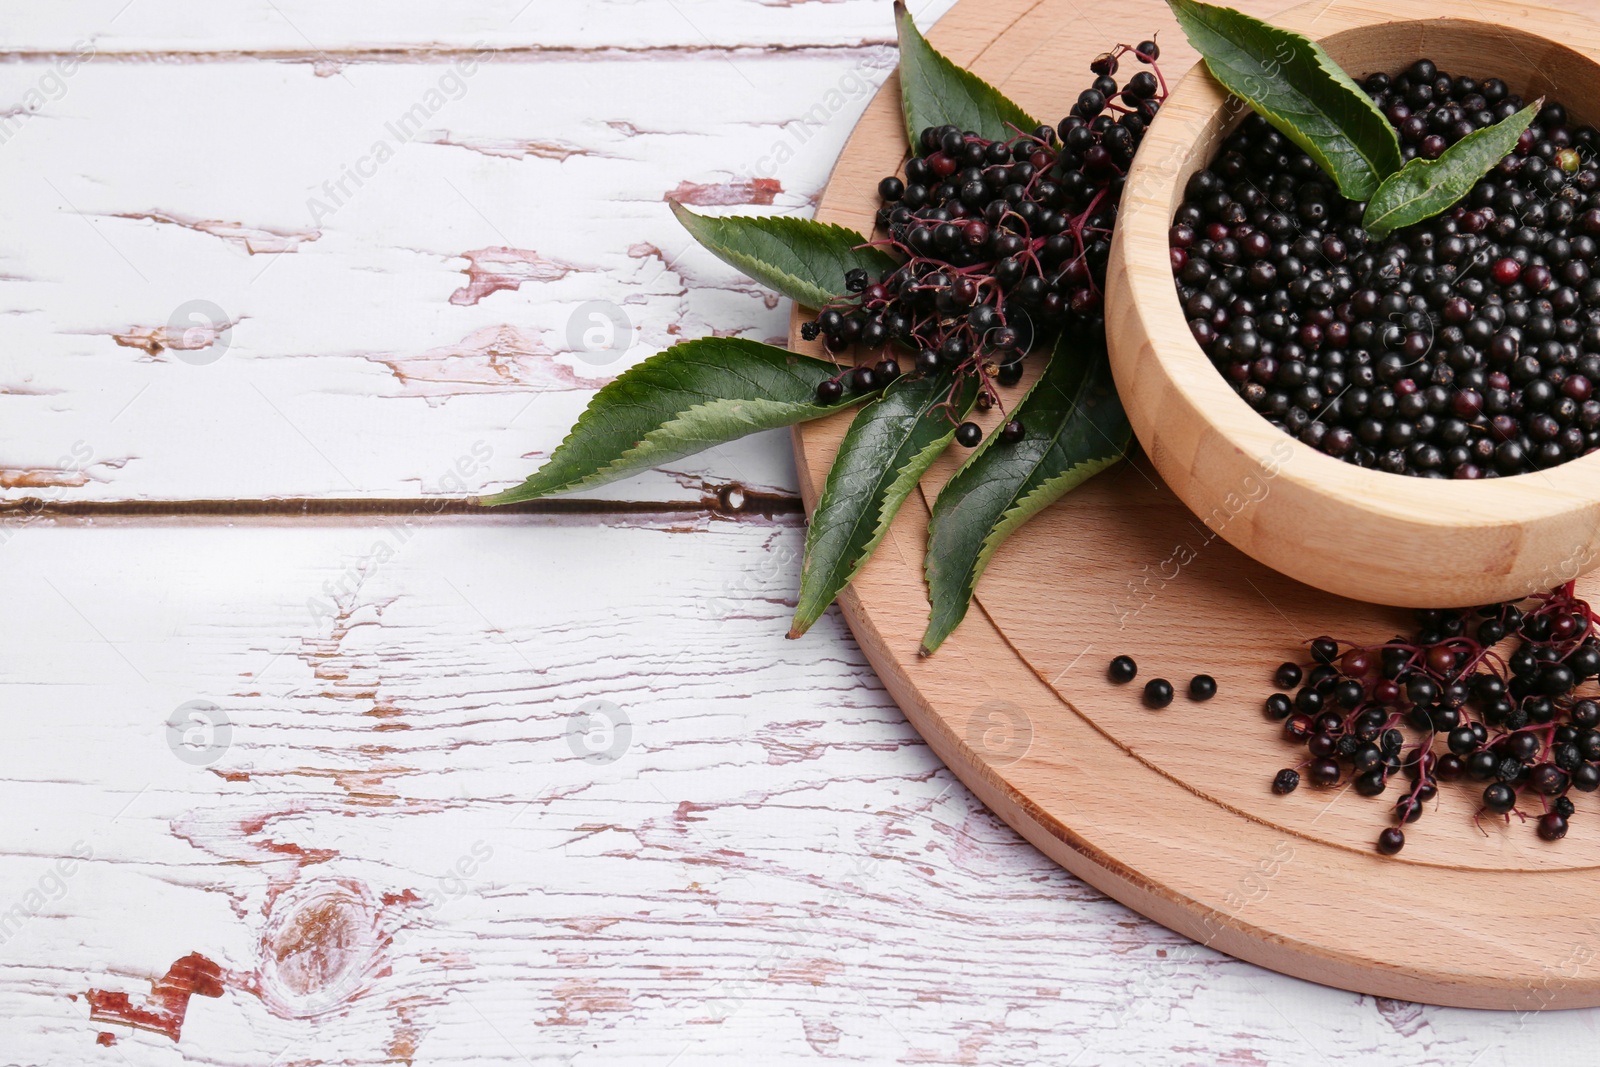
1384	538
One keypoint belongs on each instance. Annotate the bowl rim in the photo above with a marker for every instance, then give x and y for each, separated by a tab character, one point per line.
1152	194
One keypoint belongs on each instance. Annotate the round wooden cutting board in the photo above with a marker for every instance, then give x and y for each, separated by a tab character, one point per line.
1170	812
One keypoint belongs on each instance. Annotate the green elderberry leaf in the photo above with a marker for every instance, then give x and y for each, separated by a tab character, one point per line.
1074	428
679	402
892	441
1299	89
1425	187
806	261
936	92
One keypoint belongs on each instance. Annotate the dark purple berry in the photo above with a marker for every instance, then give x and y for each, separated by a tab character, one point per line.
1552	826
1157	693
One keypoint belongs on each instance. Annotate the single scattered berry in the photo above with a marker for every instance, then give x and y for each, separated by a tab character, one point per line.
1552	826
1202	687
968	435
1288	675
1157	693
1286	781
1123	670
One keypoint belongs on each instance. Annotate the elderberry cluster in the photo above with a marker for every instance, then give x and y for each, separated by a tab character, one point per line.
1445	705
1464	346
1002	243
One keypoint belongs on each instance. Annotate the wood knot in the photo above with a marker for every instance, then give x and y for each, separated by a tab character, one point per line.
320	948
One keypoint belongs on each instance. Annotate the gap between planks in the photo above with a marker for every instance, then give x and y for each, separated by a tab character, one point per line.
729	501
449	53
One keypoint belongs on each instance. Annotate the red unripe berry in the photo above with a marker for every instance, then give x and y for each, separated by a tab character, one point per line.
1356	663
1467	404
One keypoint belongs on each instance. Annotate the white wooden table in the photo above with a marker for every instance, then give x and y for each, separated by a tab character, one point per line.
396	783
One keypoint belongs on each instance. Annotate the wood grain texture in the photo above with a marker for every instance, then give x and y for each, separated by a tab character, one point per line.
407	254
415	28
1356	532
1171	813
775	866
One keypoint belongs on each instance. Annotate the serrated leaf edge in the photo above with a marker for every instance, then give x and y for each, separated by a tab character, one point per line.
894	497
1379	169
1014	515
903	21
1042	495
928	562
1378	231
609	473
797	289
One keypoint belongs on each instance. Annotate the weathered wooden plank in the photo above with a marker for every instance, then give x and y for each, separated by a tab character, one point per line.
406	848
393	270
307	28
